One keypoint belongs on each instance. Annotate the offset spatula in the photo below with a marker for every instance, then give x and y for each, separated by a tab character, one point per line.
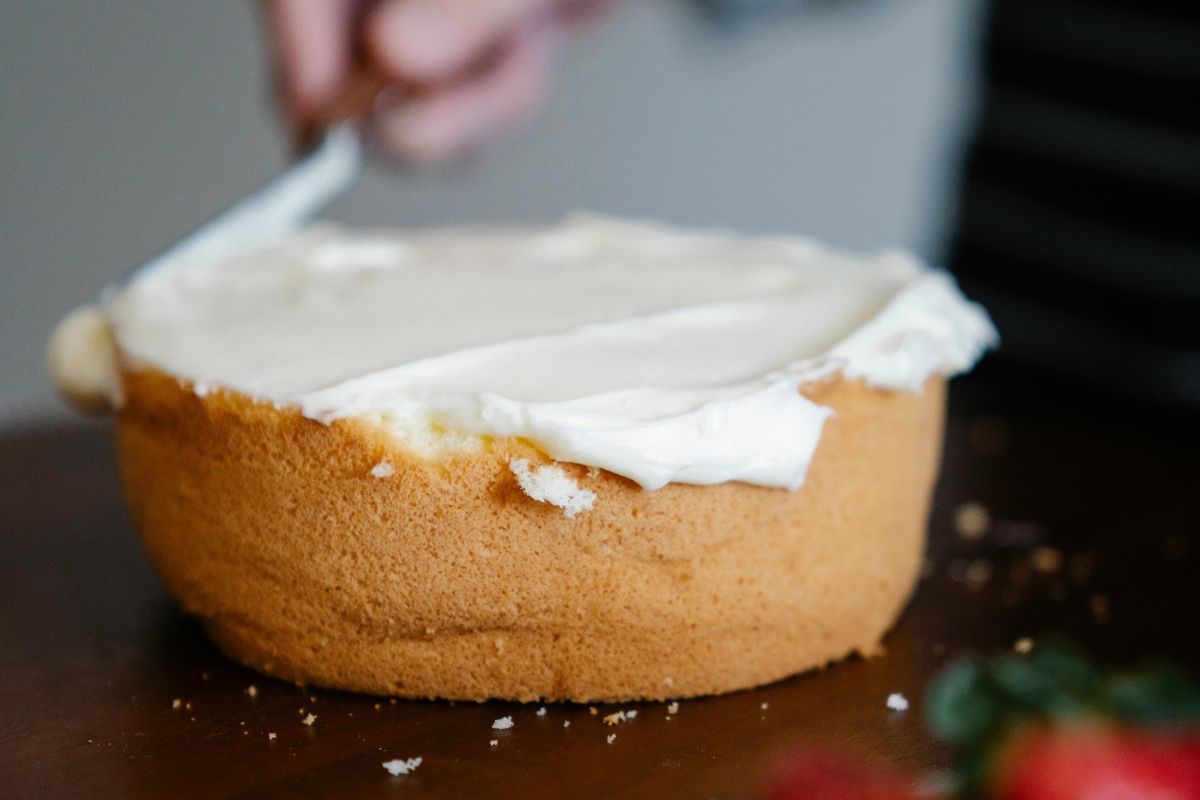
81	356
277	209
333	158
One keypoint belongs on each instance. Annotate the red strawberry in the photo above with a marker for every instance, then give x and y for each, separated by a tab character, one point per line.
1098	763
817	774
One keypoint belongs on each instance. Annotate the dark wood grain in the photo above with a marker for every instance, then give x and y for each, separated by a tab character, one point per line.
92	653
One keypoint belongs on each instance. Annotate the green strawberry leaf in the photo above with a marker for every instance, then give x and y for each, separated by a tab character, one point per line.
1161	696
960	708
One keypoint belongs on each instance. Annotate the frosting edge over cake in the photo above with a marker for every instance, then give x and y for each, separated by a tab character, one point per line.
658	354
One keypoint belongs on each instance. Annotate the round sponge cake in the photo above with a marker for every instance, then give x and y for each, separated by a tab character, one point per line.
597	461
337	556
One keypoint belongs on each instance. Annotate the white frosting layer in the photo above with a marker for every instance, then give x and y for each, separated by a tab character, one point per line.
656	354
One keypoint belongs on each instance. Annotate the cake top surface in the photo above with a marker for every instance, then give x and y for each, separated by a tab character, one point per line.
657	353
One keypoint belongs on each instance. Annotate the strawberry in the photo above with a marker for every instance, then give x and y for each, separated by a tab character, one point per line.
1098	763
819	774
1051	725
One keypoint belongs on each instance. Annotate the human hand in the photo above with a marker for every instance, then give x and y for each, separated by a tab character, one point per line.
455	74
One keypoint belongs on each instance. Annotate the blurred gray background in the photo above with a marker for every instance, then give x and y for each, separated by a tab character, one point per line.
125	124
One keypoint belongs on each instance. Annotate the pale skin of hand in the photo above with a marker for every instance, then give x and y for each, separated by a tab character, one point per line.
461	73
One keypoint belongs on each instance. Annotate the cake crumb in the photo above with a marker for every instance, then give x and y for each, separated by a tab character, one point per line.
176	704
309	720
188	705
897	702
1023	645
612	737
550	484
541	712
252	691
1047	559
978	573
592	710
673	708
402	766
614	718
765	706
494	742
971	521
631	714
502	724
566	723
383	470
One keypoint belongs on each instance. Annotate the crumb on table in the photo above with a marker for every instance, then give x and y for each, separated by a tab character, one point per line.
1047	559
972	520
402	766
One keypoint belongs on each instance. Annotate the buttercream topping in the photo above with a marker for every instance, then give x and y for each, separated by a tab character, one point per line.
658	354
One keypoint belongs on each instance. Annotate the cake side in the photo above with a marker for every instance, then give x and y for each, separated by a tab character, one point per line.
443	578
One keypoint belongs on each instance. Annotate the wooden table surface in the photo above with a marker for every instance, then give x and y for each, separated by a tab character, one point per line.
93	655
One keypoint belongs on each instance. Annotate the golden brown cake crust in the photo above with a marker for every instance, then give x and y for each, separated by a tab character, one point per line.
445	580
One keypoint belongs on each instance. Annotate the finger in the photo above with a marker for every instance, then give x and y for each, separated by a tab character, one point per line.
469	114
573	16
312	41
429	40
